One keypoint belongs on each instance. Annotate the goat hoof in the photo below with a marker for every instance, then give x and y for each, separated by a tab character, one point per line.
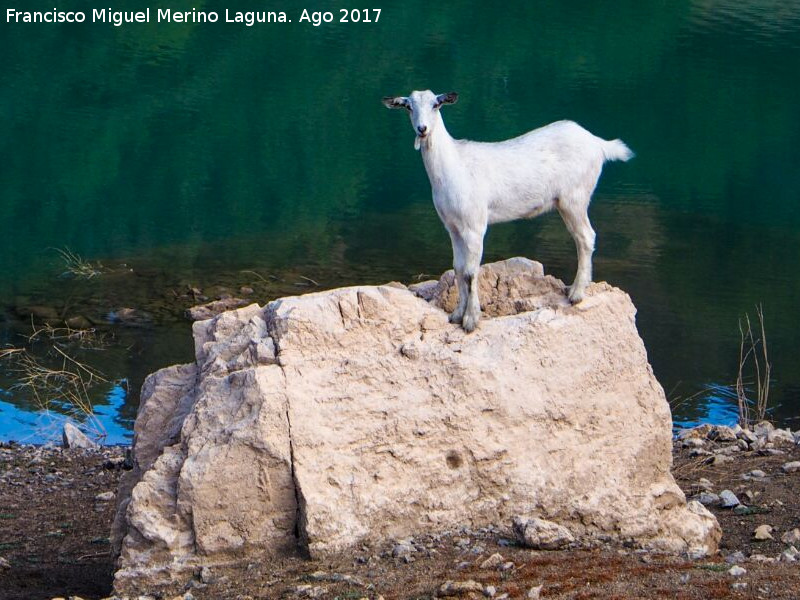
575	295
455	318
469	323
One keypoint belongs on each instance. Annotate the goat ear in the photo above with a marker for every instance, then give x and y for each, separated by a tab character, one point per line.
449	98
395	101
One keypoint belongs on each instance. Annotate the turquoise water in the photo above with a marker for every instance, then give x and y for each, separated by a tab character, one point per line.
218	155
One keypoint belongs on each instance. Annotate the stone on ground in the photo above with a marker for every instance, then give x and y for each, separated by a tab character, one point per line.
763	532
72	437
541	534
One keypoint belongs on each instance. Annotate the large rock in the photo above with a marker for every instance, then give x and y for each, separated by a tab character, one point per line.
356	414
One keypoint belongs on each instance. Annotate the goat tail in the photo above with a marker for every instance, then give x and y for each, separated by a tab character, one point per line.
616	150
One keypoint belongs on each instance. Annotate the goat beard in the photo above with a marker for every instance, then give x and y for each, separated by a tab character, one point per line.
418	141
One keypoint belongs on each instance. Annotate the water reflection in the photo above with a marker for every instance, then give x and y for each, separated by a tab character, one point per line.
31	426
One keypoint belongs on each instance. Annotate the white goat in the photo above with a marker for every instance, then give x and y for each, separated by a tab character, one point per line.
476	184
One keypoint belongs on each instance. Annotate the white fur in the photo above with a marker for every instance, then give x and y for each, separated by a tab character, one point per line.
476	184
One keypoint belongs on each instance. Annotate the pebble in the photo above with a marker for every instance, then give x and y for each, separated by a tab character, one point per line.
72	437
791	467
707	498
699	452
739	586
309	591
457	588
721	433
756	474
104	497
771	452
494	561
4	564
763	532
791	537
762	428
704	485
747	436
699	431
735	558
736	571
727	450
789	555
541	534
402	550
780	436
761	558
693	443
490	591
729	499
534	593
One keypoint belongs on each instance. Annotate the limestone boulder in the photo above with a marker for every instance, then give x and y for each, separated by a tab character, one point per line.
360	414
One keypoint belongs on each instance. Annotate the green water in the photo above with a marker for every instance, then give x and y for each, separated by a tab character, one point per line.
183	155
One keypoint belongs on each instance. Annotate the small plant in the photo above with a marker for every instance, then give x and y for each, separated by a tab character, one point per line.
753	349
77	266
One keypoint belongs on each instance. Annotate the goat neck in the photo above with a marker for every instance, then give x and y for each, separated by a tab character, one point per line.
438	151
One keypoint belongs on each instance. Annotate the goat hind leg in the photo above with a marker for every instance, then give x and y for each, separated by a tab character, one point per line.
576	218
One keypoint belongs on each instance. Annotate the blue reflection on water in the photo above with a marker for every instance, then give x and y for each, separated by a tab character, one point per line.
44	426
717	405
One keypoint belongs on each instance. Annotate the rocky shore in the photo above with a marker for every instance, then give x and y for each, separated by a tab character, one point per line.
56	508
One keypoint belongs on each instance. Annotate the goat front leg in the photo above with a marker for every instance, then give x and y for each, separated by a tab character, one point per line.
473	244
459	258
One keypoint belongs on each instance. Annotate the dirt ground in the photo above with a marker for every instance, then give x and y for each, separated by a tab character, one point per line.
55	515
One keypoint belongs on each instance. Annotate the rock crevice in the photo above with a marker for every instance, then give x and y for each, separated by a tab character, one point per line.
361	414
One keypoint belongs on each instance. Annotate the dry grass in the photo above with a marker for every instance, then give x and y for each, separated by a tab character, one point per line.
261	277
85	338
6	353
63	381
77	266
753	350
